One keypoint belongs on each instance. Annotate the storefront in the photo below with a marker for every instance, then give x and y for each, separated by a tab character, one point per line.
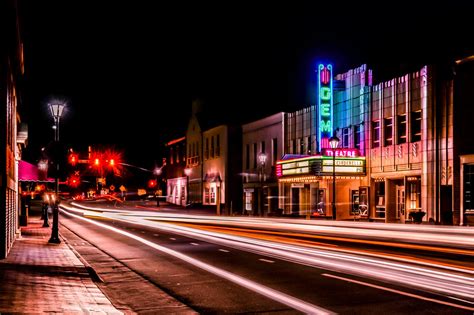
306	184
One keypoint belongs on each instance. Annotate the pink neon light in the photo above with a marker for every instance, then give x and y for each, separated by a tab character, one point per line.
325	143
325	76
278	170
342	152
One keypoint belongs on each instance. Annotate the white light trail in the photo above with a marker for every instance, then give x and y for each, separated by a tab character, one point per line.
251	285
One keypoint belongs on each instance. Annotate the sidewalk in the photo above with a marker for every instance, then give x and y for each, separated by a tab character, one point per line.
40	277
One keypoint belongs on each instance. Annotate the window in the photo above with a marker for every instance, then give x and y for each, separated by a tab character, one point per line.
345	137
177	154
388	131
206	152
212	147
309	145
218	145
376	134
254	155
357	136
171	156
275	150
247	157
401	129
293	147
416	126
262	146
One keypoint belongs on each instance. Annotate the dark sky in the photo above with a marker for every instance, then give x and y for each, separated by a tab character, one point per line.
126	69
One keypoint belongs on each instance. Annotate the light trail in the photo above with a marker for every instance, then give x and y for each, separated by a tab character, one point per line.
455	237
251	285
438	279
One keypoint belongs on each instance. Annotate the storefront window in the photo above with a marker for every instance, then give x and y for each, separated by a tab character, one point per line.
468	187
414	193
213	195
248	201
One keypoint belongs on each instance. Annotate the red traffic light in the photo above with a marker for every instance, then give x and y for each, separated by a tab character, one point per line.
74	181
151	183
73	159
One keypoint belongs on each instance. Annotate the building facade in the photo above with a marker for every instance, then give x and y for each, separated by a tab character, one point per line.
11	72
306	173
213	162
262	147
173	171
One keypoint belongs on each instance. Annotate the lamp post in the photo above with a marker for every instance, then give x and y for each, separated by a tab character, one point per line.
56	111
157	171
262	159
187	172
334	142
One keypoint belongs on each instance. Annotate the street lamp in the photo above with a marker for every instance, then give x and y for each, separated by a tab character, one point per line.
157	171
187	172
56	111
334	142
262	159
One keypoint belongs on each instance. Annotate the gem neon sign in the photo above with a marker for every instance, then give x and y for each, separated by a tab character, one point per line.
325	105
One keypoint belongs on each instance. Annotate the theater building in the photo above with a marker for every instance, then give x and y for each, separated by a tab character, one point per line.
306	173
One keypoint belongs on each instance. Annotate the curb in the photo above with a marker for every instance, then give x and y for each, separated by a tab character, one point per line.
92	273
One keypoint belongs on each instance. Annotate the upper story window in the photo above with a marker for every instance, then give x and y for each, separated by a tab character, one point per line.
275	150
416	126
388	131
206	152
357	136
345	137
218	145
376	134
401	129
247	157
212	147
254	155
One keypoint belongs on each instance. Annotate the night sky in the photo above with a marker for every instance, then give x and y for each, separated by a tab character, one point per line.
126	69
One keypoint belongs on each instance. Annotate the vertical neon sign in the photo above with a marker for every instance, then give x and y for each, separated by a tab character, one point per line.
325	106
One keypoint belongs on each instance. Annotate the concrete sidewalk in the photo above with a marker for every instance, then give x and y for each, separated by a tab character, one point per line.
39	277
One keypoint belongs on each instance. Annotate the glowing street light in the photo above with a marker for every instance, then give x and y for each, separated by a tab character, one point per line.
334	142
56	111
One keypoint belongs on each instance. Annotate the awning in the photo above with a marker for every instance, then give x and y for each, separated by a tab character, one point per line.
28	172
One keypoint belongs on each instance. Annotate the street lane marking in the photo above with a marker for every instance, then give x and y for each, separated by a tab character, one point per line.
143	232
267	260
223	250
273	294
172	238
155	234
195	244
465	301
398	292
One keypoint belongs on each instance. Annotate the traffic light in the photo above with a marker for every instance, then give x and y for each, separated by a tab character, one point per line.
96	162
151	183
74	181
112	162
73	159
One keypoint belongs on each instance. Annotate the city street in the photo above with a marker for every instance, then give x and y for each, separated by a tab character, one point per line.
235	264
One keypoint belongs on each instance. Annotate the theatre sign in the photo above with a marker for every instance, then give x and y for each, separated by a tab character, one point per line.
348	162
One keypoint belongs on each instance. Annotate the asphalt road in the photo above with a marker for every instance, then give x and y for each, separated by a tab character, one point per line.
239	281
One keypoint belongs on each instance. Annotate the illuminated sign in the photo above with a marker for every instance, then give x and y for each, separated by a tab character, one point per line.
325	105
322	166
341	152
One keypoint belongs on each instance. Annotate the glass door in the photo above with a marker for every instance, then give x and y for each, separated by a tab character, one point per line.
400	201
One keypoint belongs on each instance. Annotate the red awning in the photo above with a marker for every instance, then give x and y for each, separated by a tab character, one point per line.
28	172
